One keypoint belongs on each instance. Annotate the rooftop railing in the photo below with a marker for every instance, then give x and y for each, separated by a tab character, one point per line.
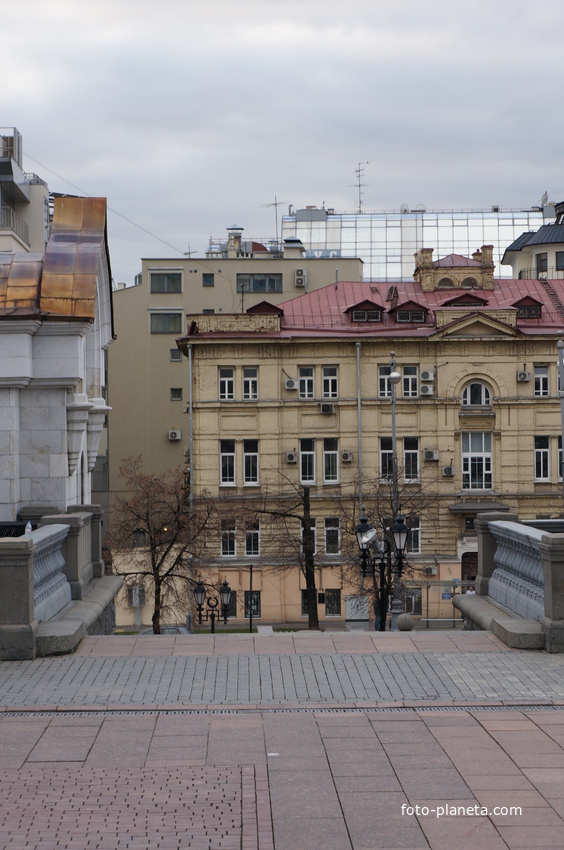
9	220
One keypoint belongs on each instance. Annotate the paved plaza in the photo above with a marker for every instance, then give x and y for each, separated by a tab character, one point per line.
289	742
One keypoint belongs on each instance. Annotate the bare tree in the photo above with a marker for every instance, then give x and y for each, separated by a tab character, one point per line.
154	536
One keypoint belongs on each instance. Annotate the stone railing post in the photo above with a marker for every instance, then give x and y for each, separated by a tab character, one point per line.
18	627
98	565
487	546
77	548
552	552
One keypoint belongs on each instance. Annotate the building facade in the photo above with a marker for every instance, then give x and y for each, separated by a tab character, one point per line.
300	396
24	200
387	241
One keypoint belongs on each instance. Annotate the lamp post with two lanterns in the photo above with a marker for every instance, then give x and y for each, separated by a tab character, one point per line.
389	582
211	613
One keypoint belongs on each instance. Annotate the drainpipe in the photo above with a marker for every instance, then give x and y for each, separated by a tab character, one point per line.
359	413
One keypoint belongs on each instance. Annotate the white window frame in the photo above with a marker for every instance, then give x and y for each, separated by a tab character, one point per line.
252	537
410	383
306	377
330	382
330	460
413	544
386	460
227	456
542	458
410	457
541	387
250	383
307	459
469	395
384	385
251	454
226	383
228	538
330	525
475	457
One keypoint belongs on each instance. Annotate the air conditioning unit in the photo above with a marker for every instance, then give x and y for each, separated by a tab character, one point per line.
292	384
327	408
300	278
291	457
174	435
431	454
346	457
426	390
427	375
430	571
523	377
448	471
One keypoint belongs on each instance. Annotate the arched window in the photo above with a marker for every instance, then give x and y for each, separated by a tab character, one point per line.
469	283
445	283
476	394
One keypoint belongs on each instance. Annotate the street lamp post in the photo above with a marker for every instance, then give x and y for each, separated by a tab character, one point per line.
211	603
389	574
560	346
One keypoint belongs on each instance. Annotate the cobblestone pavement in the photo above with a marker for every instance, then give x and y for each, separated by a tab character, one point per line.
347	743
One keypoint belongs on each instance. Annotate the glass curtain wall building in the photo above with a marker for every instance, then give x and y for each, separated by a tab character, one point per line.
387	241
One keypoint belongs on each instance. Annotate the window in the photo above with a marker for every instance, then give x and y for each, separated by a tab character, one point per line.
413	545
226	383
384	386
135	596
313	526
541	380
413	603
529	311
227	462
138	538
332	603
252	600
250	462
306	381
228	538
386	459
445	283
411	458
413	316
541	261
560	458
330	382
175	355
208	279
250	383
476	395
307	461
476	460
410	381
559	261
165	281
366	316
332	536
542	461
305	611
166	323
469	283
176	393
252	538
259	283
232	607
330	460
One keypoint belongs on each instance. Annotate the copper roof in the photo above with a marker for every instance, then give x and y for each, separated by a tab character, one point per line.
62	282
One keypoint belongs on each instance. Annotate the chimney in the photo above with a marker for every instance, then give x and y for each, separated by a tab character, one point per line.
234	234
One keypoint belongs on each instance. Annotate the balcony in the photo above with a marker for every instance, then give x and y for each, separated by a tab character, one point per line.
534	274
10	221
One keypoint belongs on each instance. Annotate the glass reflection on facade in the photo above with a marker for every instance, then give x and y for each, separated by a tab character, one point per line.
386	242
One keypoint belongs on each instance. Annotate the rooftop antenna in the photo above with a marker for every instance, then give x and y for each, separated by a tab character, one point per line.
276	204
359	174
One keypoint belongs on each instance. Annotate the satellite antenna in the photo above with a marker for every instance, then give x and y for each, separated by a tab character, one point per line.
404	208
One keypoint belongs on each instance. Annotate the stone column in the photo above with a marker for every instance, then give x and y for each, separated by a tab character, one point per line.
18	629
77	548
487	546
552	554
98	565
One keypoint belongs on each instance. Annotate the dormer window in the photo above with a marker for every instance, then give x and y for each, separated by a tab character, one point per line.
410	316
529	311
476	394
366	316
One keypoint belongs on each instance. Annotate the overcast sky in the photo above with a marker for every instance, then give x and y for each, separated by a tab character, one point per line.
193	116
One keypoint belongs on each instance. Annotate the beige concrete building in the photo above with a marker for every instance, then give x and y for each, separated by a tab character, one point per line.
148	378
300	395
24	200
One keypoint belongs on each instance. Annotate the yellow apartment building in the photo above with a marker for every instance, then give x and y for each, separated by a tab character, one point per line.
298	395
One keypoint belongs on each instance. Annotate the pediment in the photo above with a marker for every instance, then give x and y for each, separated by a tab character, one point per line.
477	325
